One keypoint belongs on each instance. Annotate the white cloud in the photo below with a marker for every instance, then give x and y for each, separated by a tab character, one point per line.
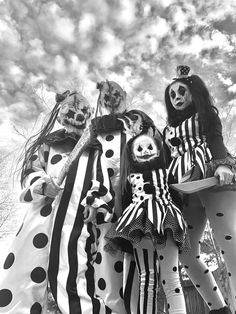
232	89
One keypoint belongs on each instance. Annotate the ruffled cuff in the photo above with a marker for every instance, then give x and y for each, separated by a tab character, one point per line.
34	191
229	161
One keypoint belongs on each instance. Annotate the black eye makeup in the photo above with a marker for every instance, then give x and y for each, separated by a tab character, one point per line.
150	147
182	90
172	94
140	149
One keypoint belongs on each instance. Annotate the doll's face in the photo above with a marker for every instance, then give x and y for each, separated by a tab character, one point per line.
74	113
144	149
180	95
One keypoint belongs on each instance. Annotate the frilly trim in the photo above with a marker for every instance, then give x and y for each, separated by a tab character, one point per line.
229	161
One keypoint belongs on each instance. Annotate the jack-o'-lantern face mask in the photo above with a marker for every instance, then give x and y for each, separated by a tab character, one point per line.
74	112
180	95
144	149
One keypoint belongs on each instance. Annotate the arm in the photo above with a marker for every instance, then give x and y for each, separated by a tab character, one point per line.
100	197
38	184
222	163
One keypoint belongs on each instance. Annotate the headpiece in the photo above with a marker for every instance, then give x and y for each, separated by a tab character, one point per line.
182	71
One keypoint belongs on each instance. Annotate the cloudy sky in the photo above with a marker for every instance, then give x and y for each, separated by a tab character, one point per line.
50	46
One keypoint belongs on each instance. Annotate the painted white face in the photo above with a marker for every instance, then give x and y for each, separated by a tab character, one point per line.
180	95
144	149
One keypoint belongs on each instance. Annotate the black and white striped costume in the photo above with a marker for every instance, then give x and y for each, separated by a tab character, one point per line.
188	147
59	224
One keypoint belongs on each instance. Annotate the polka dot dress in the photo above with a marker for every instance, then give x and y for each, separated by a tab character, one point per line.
23	275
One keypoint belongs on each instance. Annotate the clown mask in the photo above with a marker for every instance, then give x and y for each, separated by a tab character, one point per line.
74	113
144	149
112	98
180	95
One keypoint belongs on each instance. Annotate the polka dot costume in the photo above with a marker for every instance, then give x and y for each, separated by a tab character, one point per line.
23	283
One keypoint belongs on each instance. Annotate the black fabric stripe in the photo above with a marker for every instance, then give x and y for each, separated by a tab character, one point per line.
89	274
57	229
128	286
188	132
155	282
71	287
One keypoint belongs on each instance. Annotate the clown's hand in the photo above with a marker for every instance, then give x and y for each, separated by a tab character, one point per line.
224	175
51	188
89	213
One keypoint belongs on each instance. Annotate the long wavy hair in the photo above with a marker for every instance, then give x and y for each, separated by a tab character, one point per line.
202	103
35	141
127	162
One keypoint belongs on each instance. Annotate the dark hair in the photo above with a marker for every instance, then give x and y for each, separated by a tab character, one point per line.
127	163
33	143
202	103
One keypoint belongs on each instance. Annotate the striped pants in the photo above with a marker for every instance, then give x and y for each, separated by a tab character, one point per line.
146	258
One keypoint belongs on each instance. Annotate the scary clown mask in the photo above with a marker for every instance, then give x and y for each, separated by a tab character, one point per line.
112	98
144	149
180	95
74	112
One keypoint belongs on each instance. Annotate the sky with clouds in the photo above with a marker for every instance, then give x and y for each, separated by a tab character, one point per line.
51	46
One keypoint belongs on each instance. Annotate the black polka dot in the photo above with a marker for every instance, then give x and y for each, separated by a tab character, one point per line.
33	158
98	258
229	274
197	285
109	153
109	137
55	159
110	172
102	284
121	293
46	210
174	268
141	198
222	252
161	257
219	214
100	218
28	197
36	308
209	303
5	297
190	227
215	288
34	179
38	275
118	267
40	240
45	155
206	271
9	261
186	266
177	290
163	282
19	229
198	256
228	237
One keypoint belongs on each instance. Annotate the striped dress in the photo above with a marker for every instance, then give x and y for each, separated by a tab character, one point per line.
188	148
150	213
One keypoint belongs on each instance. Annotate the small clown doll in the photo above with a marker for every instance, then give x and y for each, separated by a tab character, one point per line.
151	226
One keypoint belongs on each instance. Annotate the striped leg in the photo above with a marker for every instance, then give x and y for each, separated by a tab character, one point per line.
146	261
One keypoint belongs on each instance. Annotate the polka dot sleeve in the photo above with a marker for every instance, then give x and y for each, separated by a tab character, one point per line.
36	177
100	195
